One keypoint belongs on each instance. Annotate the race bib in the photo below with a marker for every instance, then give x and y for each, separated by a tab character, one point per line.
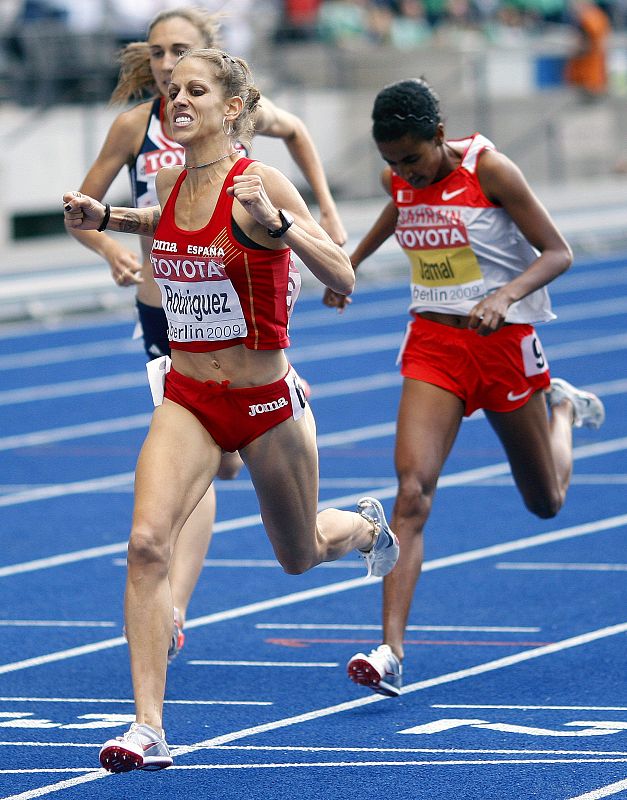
199	299
534	360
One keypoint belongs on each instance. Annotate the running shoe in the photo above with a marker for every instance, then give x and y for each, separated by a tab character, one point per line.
140	747
178	637
383	554
380	671
588	409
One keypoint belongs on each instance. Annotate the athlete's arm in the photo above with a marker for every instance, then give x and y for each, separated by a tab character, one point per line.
270	120
504	184
261	191
117	150
85	213
380	231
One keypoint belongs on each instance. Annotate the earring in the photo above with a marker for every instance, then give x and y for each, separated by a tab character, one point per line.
227	126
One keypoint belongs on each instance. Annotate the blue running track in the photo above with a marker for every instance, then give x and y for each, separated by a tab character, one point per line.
515	668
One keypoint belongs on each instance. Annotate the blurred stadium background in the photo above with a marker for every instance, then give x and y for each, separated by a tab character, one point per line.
498	66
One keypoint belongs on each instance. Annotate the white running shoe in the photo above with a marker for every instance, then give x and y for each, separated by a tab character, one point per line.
383	554
588	409
380	671
141	747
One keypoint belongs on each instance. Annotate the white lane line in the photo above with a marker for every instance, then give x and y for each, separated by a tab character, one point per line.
98	428
580	479
604	791
130	701
30	794
302	355
537	565
393	750
594	309
105	483
329	589
530	707
423	750
48	744
74	352
53	391
439	628
53	623
297	664
478	669
63	559
332	765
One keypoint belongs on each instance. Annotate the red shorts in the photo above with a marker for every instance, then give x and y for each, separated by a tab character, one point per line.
236	417
498	372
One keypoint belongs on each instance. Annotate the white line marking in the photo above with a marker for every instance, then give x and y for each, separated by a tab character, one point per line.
424	750
30	794
204	663
53	623
105	426
130	701
74	352
532	708
39	770
305	749
63	559
363	701
563	567
62	490
605	791
324	627
51	391
335	765
47	744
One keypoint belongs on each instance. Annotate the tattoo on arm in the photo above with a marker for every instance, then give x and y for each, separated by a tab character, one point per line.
142	222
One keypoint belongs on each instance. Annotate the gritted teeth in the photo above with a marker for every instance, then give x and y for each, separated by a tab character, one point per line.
182	119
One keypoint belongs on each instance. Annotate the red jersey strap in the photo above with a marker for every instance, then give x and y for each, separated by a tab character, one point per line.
224	206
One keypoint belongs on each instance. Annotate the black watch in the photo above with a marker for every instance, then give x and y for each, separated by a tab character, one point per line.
287	220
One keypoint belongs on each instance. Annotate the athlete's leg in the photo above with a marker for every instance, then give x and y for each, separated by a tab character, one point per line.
190	551
175	468
428	422
283	464
540	451
194	540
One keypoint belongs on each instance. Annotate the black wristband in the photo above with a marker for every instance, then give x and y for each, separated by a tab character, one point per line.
105	219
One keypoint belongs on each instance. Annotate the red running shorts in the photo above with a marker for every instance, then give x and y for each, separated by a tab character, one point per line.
236	417
498	372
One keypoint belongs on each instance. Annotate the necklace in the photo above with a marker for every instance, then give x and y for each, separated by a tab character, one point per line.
209	163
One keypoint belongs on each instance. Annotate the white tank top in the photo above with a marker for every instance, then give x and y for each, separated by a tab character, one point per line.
461	246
